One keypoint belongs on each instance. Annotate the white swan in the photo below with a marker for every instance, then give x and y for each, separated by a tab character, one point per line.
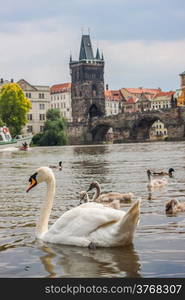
87	224
85	197
108	197
174	206
155	183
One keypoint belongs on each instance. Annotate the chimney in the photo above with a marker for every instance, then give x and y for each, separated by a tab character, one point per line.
1	80
107	87
12	80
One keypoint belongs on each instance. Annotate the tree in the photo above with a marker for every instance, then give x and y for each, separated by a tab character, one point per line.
1	123
53	114
54	133
14	107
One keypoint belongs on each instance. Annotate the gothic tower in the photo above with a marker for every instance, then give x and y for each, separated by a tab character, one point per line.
87	78
182	75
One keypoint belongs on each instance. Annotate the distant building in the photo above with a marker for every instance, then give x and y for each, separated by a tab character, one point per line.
162	100
113	102
158	131
137	99
130	106
87	78
137	92
143	102
40	99
61	99
179	95
4	81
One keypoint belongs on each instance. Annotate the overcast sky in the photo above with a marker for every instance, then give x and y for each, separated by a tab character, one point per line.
143	41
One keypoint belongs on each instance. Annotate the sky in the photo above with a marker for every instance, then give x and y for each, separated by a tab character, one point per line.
143	41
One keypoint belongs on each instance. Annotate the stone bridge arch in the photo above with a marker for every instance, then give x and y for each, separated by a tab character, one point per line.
99	132
140	129
136	126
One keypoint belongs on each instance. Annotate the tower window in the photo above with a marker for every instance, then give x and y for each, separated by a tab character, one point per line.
94	90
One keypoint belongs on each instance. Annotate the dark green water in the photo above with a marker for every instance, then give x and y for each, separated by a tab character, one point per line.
159	245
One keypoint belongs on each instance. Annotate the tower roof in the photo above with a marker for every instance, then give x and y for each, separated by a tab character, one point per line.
86	51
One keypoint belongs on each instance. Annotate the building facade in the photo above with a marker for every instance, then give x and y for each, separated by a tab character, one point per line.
113	102
40	99
138	99
61	99
87	78
158	131
179	95
162	100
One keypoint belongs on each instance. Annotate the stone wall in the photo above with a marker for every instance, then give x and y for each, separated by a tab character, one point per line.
128	127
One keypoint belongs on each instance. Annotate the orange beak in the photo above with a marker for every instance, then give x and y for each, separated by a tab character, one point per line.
33	183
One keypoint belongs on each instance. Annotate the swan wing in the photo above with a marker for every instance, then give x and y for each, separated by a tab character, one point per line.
84	219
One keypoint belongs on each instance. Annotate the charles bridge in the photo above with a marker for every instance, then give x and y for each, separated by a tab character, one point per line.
127	127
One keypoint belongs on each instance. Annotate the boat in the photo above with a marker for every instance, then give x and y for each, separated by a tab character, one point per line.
7	141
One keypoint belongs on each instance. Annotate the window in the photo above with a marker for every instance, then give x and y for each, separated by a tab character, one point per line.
41	128
42	117
28	95
41	106
41	95
29	116
94	90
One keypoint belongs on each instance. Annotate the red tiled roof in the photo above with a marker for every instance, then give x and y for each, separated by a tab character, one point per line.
131	100
163	94
114	95
59	88
142	90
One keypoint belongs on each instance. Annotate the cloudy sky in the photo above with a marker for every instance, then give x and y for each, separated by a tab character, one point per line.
143	41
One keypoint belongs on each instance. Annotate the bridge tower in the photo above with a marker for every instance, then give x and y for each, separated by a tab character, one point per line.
182	75
87	78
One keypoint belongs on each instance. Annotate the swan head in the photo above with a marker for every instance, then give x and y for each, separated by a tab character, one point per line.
42	174
83	197
170	206
149	173
93	185
60	165
171	170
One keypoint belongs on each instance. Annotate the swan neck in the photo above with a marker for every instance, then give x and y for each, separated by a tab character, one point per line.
42	225
97	193
149	177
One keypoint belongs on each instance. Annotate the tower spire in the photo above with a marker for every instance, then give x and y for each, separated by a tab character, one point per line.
86	51
98	54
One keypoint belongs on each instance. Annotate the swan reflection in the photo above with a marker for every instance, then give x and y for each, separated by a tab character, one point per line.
68	261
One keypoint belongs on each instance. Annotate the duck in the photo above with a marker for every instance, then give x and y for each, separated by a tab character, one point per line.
108	197
155	183
163	173
57	167
87	225
85	197
174	206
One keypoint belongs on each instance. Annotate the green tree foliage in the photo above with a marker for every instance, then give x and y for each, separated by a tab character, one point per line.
53	114
14	107
1	123
54	133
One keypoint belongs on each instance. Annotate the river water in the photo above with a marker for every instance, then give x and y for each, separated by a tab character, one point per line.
158	248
